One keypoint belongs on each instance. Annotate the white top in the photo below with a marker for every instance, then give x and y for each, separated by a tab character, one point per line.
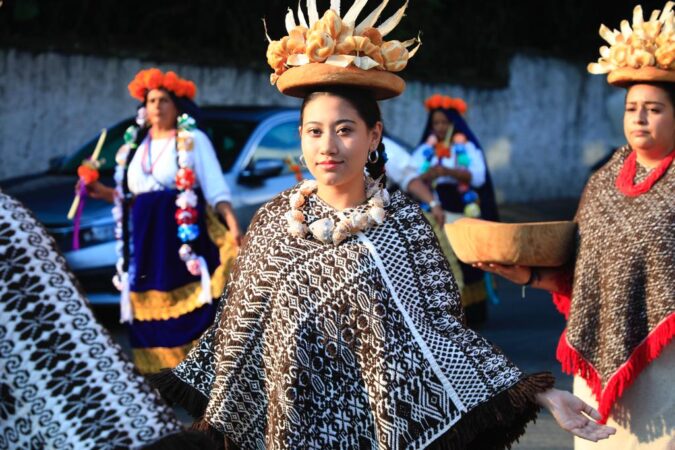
399	166
476	163
163	153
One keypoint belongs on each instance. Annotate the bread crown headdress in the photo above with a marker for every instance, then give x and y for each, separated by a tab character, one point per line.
643	51
335	50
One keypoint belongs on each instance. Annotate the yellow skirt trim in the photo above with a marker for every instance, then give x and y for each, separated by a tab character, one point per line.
163	305
154	359
474	293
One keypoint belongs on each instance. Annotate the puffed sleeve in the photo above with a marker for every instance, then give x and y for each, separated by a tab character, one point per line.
399	167
209	173
476	165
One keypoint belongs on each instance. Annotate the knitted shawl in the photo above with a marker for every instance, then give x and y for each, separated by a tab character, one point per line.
359	345
64	383
621	314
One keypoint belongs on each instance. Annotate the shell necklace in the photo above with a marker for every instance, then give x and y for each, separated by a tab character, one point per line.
326	230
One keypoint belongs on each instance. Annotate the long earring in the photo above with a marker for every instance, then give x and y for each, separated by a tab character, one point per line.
370	156
303	163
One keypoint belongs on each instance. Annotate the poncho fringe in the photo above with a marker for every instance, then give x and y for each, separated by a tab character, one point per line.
185	440
175	391
574	364
506	415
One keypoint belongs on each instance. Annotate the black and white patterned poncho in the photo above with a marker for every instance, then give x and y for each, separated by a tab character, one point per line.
359	345
64	384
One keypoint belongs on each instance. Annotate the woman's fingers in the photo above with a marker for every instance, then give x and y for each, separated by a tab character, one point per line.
592	412
593	431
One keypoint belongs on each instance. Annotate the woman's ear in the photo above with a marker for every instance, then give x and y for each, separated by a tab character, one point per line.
376	135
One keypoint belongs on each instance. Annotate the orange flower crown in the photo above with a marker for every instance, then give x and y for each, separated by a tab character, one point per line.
149	79
644	51
340	41
438	101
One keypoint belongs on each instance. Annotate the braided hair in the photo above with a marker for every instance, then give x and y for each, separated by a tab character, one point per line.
366	106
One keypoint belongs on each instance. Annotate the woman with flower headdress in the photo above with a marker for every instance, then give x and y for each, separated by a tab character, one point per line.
341	326
174	252
619	296
451	160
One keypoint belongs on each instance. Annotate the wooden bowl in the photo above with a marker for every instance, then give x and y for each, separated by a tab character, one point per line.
541	244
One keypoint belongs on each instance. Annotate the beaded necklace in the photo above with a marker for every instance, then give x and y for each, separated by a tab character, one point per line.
625	181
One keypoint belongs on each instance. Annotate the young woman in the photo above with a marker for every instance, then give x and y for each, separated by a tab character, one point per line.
450	159
341	326
619	294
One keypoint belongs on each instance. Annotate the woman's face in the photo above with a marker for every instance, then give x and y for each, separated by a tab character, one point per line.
649	119
335	140
161	109
440	124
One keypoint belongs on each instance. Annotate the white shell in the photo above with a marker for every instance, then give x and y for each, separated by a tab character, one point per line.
322	229
339	236
377	214
297	200
358	221
294	216
307	187
297	229
385	197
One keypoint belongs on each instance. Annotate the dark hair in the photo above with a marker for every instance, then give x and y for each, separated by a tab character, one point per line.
366	106
183	105
668	88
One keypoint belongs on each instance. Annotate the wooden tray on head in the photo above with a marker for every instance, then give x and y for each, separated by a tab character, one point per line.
541	244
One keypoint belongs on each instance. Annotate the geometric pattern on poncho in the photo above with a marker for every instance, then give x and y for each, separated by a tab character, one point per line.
624	275
358	345
64	384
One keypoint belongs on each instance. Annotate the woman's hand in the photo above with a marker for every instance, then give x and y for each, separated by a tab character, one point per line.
433	173
98	191
226	212
438	214
574	415
515	274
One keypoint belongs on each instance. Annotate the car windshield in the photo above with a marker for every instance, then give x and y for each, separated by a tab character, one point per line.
228	138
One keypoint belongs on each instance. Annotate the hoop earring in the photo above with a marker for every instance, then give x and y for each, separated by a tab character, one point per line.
303	163
377	156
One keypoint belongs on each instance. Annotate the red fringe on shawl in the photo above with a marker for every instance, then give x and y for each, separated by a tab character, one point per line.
562	303
648	350
562	296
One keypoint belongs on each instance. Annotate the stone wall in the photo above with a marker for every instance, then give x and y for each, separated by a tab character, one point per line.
540	134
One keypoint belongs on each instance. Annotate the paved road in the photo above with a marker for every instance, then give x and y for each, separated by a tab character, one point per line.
527	330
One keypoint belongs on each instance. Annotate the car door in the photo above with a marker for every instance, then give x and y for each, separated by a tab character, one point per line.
274	141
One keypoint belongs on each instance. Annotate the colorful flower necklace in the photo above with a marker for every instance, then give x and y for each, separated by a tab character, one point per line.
326	230
625	181
186	213
442	150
